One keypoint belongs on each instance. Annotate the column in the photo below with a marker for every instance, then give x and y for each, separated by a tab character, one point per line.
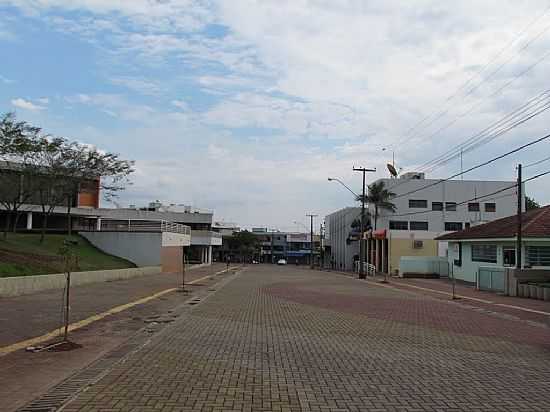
210	254
98	224
29	220
377	255
383	265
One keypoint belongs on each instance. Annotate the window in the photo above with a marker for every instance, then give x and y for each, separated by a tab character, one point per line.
450	206
418	204
437	205
484	253
490	207
538	255
473	207
399	225
453	226
419	225
467	225
509	256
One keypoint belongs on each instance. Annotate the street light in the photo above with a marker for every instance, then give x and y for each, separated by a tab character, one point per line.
333	179
392	155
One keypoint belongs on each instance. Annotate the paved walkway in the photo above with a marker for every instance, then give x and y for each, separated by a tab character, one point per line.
287	339
24	376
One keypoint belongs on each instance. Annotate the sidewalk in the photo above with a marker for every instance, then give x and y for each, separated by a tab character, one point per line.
526	309
24	375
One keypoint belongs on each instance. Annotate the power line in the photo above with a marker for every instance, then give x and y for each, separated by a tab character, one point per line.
537	162
445	111
478	197
530	104
494	159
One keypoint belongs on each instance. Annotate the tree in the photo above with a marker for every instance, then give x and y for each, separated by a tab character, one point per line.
530	203
380	197
19	144
245	243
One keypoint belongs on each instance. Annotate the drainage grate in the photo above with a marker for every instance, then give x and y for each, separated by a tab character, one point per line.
72	386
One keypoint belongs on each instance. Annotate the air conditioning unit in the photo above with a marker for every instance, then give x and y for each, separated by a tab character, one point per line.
418	244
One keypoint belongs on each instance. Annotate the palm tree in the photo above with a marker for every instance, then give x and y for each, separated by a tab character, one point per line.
380	197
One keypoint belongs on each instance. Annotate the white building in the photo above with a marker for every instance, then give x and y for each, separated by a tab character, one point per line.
425	209
341	249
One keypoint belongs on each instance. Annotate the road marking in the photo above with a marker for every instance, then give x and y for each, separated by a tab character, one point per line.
522	308
446	293
85	322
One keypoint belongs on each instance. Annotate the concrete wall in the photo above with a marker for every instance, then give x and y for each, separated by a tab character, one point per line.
338	227
142	249
171	259
423	265
451	191
24	285
404	247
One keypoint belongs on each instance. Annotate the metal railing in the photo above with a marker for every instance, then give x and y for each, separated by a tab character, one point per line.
133	225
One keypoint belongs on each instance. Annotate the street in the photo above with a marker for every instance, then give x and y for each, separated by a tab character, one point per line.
291	339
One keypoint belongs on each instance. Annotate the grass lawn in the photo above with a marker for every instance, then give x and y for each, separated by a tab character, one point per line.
23	254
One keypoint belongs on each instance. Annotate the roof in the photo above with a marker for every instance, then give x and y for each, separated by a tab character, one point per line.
536	224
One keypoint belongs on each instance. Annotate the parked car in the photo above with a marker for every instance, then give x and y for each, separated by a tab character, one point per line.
281	262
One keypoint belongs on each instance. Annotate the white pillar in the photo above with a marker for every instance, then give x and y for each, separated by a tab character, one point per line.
209	254
29	220
98	224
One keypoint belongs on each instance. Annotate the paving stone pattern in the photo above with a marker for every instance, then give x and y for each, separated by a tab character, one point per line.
256	345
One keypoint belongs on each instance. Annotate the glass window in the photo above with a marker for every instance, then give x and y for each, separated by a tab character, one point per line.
473	207
450	206
484	253
437	205
509	256
419	225
419	204
453	226
490	207
399	225
538	255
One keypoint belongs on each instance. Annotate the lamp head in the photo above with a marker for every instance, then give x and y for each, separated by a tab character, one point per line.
330	179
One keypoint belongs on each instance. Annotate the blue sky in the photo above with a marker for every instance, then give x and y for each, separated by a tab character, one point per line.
247	107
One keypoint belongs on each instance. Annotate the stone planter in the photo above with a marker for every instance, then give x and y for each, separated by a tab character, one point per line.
540	292
533	291
546	294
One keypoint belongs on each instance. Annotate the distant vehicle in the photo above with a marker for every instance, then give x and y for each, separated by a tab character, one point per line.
281	262
255	262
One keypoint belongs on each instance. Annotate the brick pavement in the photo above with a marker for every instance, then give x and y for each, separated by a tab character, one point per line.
23	376
269	341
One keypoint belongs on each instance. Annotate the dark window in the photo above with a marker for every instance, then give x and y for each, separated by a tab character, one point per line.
473	207
538	255
419	225
467	225
419	204
399	225
509	256
437	205
450	206
484	253
453	226
490	207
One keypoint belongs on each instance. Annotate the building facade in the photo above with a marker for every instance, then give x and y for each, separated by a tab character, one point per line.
341	239
294	247
425	209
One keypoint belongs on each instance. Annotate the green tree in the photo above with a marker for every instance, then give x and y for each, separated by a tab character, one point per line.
244	243
380	198
530	203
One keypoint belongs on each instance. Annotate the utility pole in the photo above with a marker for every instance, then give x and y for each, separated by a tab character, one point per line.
518	237
361	242
311	240
272	258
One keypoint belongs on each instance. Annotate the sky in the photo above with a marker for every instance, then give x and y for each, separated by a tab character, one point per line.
246	107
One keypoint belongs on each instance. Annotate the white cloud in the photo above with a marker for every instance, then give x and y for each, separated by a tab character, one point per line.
143	86
5	80
43	100
180	104
26	105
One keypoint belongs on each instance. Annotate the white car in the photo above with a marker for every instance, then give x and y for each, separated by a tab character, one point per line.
281	262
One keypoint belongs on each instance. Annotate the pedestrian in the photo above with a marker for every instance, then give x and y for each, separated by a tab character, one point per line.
228	261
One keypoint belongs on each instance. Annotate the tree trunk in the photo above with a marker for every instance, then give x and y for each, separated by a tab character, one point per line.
375	216
69	221
44	226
